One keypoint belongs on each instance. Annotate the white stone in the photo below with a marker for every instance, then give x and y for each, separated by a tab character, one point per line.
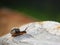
38	33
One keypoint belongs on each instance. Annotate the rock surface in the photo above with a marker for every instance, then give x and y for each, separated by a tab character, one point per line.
38	33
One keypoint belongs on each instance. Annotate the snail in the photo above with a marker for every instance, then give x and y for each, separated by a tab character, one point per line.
16	32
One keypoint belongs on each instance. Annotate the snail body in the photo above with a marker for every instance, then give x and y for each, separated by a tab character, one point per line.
16	32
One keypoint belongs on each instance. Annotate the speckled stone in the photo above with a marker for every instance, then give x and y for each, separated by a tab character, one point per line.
38	33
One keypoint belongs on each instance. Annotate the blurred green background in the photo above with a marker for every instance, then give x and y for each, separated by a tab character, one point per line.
39	9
